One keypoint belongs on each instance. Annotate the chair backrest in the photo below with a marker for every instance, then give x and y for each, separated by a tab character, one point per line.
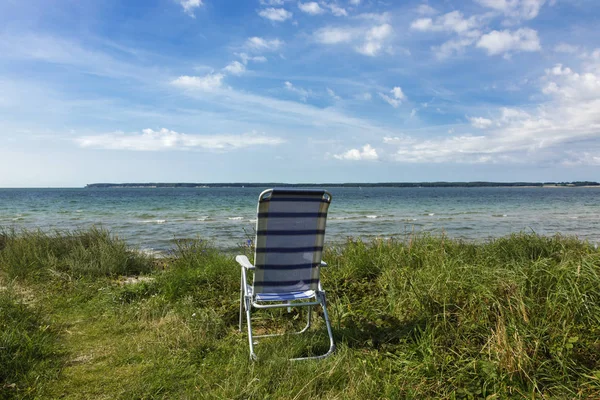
290	231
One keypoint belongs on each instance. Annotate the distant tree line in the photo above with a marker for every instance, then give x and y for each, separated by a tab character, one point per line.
379	184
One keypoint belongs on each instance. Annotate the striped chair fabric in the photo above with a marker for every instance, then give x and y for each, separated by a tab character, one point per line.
290	231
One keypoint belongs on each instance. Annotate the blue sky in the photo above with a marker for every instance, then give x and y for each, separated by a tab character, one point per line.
298	91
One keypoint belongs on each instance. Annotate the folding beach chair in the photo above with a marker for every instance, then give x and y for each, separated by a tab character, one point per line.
290	231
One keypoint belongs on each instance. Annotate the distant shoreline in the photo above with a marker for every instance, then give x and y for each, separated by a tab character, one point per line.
351	185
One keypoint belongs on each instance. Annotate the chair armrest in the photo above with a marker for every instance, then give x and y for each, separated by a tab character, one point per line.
244	262
323	264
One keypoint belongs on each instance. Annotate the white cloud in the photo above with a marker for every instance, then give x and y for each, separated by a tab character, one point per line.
380	18
190	5
260	44
271	2
369	41
206	83
397	92
566	48
570	86
303	93
502	42
481	123
519	9
466	29
396	99
355	2
422	24
311	8
451	22
577	158
367	153
275	14
330	35
337	10
568	119
426	9
452	47
235	68
165	139
375	39
331	93
245	58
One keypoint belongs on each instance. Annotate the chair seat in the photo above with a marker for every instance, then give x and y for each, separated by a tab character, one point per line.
307	294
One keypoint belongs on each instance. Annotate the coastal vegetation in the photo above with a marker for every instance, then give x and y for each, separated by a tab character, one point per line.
84	316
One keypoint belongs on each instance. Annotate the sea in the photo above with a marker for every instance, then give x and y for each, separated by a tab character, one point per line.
153	220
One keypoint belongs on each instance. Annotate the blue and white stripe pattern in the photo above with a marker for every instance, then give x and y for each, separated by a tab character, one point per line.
290	231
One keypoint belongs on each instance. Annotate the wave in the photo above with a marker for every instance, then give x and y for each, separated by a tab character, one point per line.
235	218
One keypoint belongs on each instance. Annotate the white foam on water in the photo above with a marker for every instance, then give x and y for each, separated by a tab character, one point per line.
252	220
431	214
235	218
160	221
203	218
372	216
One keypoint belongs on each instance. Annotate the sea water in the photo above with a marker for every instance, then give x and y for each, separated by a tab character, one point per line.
153	219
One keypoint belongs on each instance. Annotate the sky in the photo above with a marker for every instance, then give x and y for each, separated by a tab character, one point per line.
298	91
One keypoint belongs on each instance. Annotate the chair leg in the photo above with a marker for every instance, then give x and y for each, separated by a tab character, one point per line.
250	338
331	350
241	300
328	324
309	312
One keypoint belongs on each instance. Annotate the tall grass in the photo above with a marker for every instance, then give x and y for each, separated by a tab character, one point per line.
29	351
429	317
91	253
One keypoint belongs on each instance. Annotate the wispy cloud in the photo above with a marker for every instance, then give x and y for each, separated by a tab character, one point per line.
337	10
235	68
480	122
369	41
519	9
165	139
245	58
50	49
396	99
260	44
469	31
332	94
303	93
189	6
275	14
568	117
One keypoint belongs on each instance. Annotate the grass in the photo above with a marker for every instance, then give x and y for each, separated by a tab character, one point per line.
428	317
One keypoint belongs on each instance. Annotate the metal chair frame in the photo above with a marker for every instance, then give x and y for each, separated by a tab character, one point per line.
249	299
